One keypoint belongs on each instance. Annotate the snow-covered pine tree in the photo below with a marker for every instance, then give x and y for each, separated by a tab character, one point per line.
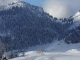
4	56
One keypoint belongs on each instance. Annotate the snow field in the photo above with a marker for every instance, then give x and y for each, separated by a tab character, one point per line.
54	51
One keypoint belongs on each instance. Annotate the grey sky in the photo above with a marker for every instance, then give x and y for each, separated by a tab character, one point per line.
61	8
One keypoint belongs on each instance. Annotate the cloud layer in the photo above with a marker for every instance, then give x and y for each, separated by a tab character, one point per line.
4	2
61	8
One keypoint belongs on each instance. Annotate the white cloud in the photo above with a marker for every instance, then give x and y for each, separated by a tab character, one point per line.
61	8
4	2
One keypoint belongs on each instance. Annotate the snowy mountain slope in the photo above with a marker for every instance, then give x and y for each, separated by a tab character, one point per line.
76	21
57	51
72	33
20	4
56	46
20	21
27	25
77	16
13	4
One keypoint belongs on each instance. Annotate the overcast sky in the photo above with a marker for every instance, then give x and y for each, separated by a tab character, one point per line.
56	8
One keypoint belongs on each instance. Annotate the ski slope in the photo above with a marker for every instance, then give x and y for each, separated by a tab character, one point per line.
54	51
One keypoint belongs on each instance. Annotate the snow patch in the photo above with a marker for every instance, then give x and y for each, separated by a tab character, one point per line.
13	4
73	51
76	21
77	16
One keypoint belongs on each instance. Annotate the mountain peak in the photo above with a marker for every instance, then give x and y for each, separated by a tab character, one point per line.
76	20
14	4
77	16
18	3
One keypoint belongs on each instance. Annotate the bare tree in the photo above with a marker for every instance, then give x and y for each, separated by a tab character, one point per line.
40	50
24	52
11	55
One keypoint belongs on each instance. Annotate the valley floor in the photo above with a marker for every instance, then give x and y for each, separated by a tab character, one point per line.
54	51
33	55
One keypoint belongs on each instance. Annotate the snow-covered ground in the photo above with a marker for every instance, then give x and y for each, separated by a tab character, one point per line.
33	55
53	51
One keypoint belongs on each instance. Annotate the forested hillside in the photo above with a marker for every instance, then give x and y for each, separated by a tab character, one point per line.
23	25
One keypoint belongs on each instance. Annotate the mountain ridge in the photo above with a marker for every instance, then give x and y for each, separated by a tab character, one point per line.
23	25
28	25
